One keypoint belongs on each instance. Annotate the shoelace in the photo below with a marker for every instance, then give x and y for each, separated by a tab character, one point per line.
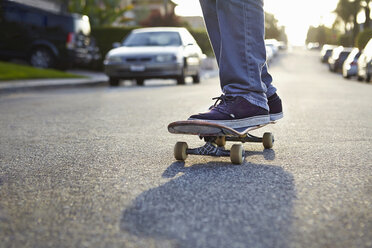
221	104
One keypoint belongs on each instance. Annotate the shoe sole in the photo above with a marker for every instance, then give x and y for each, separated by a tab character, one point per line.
239	123
275	117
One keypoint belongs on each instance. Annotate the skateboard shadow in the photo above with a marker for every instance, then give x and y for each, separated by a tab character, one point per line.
215	205
268	154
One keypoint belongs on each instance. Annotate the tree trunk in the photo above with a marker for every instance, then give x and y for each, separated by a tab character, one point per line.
367	10
356	8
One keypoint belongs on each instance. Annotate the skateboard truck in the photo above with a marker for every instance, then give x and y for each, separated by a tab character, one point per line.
215	146
216	136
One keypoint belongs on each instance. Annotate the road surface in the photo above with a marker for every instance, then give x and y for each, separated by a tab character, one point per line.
94	167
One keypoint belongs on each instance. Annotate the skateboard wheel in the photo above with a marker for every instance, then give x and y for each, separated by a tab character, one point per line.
268	140
221	141
180	151
236	154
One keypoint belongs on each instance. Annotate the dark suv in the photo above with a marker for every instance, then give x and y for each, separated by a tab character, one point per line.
44	38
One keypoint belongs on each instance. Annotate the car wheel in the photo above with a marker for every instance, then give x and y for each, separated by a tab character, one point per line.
114	82
346	75
140	82
181	78
42	58
196	78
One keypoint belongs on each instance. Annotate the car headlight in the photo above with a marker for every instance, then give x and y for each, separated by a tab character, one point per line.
113	59
165	58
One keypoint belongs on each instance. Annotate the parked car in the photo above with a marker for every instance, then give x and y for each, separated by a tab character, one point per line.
365	63
350	66
269	53
326	52
282	45
42	37
313	46
274	45
338	57
162	52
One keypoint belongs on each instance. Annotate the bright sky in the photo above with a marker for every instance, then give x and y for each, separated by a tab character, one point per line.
295	15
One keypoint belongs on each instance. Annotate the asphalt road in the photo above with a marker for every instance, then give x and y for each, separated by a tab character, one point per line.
94	167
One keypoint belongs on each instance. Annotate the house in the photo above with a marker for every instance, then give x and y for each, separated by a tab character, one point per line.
54	6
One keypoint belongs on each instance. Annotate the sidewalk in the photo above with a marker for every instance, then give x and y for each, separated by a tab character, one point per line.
93	79
209	70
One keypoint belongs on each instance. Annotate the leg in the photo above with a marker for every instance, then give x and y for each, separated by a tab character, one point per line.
209	8
236	31
274	101
267	80
242	53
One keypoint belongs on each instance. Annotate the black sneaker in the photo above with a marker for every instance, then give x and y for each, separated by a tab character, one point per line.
275	105
234	112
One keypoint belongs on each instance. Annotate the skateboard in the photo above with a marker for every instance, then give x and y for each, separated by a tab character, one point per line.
216	136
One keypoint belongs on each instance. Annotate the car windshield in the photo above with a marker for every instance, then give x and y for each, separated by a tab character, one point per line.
153	39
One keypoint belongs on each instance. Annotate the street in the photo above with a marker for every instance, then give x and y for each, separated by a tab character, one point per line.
94	167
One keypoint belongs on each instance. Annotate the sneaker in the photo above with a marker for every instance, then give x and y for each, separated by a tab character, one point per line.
234	112
275	105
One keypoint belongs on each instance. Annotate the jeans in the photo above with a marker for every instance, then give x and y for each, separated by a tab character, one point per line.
236	30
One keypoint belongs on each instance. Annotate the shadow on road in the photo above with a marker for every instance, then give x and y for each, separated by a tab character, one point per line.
268	154
216	205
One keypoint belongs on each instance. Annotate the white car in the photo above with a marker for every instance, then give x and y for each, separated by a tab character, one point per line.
365	63
269	53
160	52
350	66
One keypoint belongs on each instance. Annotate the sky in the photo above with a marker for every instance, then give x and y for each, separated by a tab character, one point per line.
295	15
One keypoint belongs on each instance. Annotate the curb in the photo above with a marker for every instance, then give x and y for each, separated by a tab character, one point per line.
41	84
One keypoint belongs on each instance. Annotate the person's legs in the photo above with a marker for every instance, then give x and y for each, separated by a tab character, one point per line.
209	8
274	101
236	31
267	80
243	53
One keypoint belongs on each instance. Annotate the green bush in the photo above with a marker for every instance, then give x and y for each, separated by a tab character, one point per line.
345	40
106	36
363	38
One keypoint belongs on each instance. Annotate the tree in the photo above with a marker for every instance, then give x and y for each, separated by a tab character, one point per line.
348	10
322	35
355	10
344	12
156	19
100	12
363	38
367	11
272	29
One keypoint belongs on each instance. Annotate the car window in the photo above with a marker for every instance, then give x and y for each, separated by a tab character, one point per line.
14	15
153	39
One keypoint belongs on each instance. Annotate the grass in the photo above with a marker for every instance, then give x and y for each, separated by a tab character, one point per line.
10	71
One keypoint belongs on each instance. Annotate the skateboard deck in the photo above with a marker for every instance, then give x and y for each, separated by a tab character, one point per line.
216	136
203	128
